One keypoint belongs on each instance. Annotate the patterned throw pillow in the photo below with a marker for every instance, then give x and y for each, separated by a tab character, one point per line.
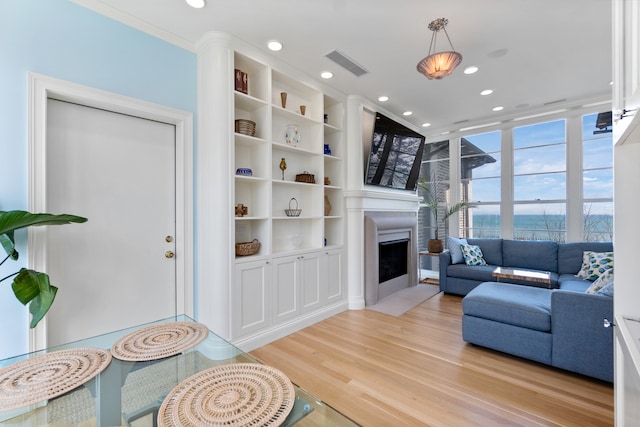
453	245
607	290
472	255
601	282
595	264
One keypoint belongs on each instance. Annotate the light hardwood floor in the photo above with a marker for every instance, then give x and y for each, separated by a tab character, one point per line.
415	370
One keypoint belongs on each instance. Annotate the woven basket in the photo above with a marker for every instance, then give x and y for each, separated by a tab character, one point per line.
246	127
247	248
293	211
306	177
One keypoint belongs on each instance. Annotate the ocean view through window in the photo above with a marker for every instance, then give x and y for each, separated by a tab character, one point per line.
558	184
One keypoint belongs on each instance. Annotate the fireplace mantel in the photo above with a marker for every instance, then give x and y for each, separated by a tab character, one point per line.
363	202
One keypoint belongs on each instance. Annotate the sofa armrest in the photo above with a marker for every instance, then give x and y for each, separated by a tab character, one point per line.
444	262
581	343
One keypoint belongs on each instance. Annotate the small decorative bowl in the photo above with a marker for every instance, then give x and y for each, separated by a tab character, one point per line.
244	171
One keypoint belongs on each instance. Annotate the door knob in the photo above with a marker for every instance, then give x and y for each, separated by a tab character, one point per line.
169	254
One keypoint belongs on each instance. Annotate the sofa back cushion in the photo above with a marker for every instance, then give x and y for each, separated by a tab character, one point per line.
570	254
532	254
491	249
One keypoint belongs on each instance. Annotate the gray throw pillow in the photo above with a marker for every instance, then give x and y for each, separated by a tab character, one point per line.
456	251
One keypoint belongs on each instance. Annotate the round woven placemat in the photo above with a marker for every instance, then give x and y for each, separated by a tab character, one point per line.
159	341
238	394
49	375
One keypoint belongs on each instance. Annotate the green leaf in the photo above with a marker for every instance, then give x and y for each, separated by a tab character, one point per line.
25	285
15	220
6	240
33	288
41	304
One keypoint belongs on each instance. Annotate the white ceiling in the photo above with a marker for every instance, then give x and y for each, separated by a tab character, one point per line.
530	52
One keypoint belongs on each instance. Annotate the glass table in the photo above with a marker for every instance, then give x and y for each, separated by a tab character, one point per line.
130	393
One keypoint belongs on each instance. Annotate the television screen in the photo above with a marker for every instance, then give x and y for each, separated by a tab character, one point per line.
395	155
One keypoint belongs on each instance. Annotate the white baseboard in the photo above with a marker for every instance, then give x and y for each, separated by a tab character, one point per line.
276	332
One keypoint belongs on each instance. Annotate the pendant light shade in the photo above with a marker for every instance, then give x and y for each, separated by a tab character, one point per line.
439	64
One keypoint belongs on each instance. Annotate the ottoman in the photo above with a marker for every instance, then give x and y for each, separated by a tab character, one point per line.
514	319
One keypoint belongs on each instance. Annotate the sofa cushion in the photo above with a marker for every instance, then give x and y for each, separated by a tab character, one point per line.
472	255
533	254
595	264
524	306
570	254
570	282
479	273
491	249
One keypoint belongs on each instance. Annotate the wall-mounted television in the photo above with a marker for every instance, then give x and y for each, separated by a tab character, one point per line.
395	155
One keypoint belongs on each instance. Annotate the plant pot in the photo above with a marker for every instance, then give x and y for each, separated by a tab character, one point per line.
434	246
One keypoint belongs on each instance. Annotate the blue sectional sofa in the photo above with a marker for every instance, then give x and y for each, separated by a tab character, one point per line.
562	326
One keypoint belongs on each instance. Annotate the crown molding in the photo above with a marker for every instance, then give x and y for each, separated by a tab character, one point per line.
138	24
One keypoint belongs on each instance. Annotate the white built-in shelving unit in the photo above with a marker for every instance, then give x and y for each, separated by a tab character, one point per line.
297	276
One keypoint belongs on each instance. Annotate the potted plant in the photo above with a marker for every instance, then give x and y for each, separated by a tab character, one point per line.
29	286
431	201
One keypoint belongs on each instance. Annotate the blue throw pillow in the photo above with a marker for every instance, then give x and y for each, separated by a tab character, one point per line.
453	245
472	255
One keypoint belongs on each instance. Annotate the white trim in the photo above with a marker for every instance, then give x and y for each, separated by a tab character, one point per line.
43	87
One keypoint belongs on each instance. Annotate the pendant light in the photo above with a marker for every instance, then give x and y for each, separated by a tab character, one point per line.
440	64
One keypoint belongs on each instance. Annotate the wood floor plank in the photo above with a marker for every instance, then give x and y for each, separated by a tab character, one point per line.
415	370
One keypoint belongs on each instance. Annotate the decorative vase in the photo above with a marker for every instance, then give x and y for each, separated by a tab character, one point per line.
283	99
292	135
327	149
303	109
283	166
434	246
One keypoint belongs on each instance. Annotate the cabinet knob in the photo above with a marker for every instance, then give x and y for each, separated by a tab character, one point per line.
608	323
169	254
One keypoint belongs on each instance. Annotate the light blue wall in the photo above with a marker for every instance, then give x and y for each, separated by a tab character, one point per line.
63	40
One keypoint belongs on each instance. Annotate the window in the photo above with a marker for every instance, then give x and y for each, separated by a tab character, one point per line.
597	178
435	167
480	180
540	181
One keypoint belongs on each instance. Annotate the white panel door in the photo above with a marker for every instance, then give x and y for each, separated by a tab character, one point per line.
117	269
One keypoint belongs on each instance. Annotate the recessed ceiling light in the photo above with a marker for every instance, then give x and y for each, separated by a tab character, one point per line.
326	74
486	92
471	69
274	45
499	108
383	98
426	125
407	113
198	4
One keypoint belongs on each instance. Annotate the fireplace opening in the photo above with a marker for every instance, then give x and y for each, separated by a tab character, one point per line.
392	259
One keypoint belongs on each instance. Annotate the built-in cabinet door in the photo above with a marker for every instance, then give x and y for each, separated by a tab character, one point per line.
286	300
332	275
310	283
251	297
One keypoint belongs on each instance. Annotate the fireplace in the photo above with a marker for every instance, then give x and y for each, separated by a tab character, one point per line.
390	253
392	259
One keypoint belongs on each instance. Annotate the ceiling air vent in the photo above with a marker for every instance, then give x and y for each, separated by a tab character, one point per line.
342	60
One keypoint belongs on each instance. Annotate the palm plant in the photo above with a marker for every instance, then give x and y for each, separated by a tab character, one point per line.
431	201
29	286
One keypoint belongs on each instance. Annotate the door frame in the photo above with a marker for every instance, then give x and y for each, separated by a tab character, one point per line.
42	88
